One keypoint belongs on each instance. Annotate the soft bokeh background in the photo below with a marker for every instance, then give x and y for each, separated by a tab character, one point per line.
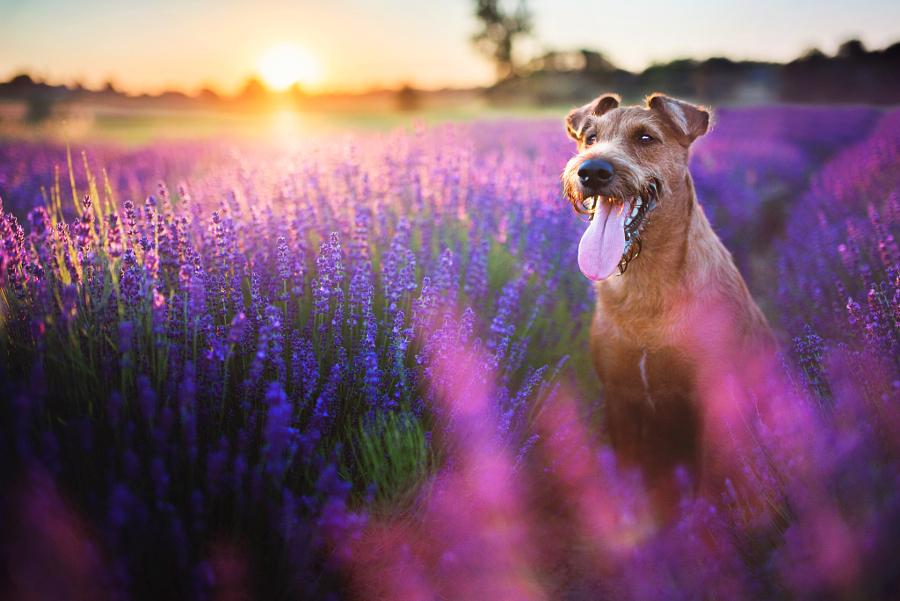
139	72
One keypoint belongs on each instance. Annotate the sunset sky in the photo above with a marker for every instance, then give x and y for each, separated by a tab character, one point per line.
355	44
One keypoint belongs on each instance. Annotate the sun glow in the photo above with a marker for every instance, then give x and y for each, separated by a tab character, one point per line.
287	64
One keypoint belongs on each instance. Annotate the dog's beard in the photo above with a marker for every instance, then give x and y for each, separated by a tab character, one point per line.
642	205
604	237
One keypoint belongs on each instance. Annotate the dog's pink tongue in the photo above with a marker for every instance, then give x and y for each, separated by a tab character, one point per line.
602	245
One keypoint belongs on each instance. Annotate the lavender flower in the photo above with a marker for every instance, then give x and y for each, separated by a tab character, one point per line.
280	435
204	387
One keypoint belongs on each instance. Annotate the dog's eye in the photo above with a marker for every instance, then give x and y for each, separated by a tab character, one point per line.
590	140
645	138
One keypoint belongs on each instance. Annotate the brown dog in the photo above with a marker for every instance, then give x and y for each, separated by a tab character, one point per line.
673	313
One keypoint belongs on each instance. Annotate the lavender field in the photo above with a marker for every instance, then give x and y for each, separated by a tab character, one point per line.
357	367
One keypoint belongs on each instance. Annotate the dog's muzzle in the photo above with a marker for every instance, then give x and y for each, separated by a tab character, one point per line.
615	240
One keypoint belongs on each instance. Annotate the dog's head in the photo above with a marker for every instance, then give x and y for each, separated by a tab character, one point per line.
629	159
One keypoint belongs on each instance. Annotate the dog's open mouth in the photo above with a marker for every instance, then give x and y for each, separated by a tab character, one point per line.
613	238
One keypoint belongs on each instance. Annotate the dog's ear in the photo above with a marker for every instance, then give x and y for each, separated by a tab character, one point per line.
690	121
576	117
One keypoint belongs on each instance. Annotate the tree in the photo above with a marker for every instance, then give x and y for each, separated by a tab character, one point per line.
408	98
253	90
851	49
500	29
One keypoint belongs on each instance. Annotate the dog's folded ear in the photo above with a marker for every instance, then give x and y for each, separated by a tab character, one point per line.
576	117
688	120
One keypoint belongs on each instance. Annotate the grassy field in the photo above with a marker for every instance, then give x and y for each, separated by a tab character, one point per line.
135	127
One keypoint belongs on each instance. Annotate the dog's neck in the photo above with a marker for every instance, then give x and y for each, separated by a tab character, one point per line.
684	287
656	279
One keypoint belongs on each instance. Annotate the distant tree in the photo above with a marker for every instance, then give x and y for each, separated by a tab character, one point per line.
77	90
253	91
500	27
39	97
39	106
408	98
812	54
296	93
567	61
38	109
892	51
596	62
21	81
208	95
851	49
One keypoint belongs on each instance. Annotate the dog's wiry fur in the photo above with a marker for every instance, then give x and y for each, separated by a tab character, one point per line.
680	311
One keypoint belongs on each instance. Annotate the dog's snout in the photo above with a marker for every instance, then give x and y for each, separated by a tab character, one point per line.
595	172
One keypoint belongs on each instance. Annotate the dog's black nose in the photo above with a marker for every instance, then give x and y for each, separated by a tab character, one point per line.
595	172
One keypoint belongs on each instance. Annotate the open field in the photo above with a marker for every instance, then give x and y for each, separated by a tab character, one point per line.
338	364
123	124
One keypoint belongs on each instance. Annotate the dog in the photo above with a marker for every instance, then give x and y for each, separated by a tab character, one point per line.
673	313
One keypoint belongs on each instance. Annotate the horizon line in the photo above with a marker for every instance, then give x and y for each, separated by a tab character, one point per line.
198	90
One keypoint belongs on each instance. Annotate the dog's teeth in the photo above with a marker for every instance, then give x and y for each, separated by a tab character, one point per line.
634	212
639	201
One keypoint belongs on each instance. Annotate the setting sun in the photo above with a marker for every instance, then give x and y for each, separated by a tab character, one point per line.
287	64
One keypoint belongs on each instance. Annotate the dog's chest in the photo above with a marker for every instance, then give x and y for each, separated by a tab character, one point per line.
651	374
